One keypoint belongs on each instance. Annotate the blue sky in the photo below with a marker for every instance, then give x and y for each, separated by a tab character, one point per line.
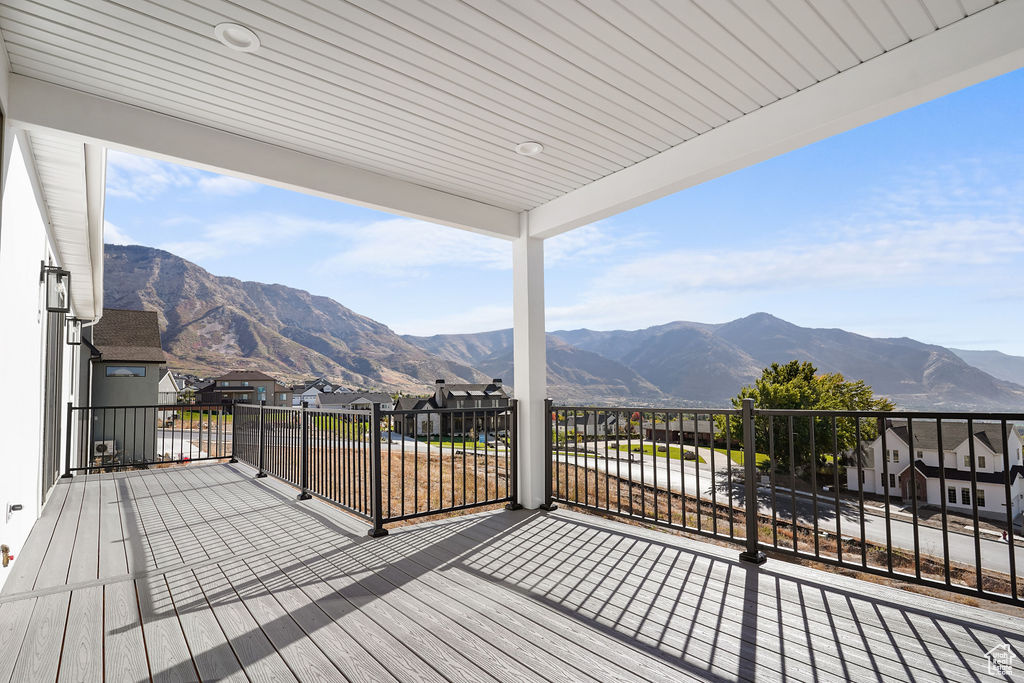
910	226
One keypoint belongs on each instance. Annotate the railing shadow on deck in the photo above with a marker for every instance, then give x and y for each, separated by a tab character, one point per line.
622	585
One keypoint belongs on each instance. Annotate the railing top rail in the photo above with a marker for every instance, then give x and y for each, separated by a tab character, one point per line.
898	414
456	411
635	409
161	406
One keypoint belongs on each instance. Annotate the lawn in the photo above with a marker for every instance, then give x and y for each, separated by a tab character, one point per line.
737	456
673	451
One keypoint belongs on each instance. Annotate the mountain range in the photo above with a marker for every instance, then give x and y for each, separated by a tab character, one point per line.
211	324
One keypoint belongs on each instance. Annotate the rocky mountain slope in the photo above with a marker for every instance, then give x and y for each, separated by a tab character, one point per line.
995	363
211	324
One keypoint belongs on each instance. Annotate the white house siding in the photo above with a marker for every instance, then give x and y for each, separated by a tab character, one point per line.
23	244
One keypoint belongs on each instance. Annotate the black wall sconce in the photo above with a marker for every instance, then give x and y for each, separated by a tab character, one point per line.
58	288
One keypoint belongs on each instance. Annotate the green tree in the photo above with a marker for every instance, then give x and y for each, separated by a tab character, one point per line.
797	386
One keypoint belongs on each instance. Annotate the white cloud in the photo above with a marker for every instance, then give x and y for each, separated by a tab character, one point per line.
226	185
114	235
909	255
404	247
143	178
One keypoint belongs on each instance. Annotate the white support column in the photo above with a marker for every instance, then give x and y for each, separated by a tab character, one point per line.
530	358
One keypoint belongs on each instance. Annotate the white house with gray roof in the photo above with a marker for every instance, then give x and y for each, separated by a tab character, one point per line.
889	468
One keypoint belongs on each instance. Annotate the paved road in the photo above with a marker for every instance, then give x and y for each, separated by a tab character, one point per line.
994	553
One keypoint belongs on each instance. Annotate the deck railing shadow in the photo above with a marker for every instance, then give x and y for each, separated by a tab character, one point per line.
699	608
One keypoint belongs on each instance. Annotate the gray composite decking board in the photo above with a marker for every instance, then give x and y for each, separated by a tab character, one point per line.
458	636
53	570
40	651
144	523
82	655
461	613
136	547
787	584
167	520
29	557
277	521
192	534
491	617
475	585
258	657
304	657
350	651
124	648
211	652
436	652
14	622
256	574
673	674
113	561
166	650
85	554
768	616
581	590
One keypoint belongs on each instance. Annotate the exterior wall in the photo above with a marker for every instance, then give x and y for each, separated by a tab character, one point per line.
125	391
23	244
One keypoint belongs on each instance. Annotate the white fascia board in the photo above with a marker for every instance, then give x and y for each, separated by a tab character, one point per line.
974	49
5	73
96	192
36	104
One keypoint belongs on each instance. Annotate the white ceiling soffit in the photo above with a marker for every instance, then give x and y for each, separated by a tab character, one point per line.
417	107
71	183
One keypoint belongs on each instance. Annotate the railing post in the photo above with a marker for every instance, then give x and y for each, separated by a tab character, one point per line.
234	432
548	456
512	444
751	554
67	446
376	497
304	457
259	444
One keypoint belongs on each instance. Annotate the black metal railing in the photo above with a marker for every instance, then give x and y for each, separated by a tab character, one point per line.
447	459
902	494
384	466
116	437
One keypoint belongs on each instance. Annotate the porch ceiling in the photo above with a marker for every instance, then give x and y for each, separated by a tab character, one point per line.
416	107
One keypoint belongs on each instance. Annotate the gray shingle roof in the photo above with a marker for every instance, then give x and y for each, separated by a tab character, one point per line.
953	434
128	336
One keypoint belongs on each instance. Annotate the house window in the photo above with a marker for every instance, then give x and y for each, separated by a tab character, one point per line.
951	494
967	461
981	461
965	496
895	456
245	384
979	495
920	454
126	371
892	481
223	384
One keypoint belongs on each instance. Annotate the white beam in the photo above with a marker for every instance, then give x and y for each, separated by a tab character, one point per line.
95	196
979	47
35	104
529	357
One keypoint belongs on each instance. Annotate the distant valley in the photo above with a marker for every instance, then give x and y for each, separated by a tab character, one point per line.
212	324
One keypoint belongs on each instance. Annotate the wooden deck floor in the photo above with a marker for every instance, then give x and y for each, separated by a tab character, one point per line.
205	572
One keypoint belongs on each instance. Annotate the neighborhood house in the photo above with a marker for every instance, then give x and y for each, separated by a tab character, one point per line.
904	460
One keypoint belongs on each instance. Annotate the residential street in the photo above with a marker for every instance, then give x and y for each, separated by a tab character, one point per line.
994	552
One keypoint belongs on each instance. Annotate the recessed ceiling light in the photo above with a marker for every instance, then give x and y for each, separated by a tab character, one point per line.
529	149
237	37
